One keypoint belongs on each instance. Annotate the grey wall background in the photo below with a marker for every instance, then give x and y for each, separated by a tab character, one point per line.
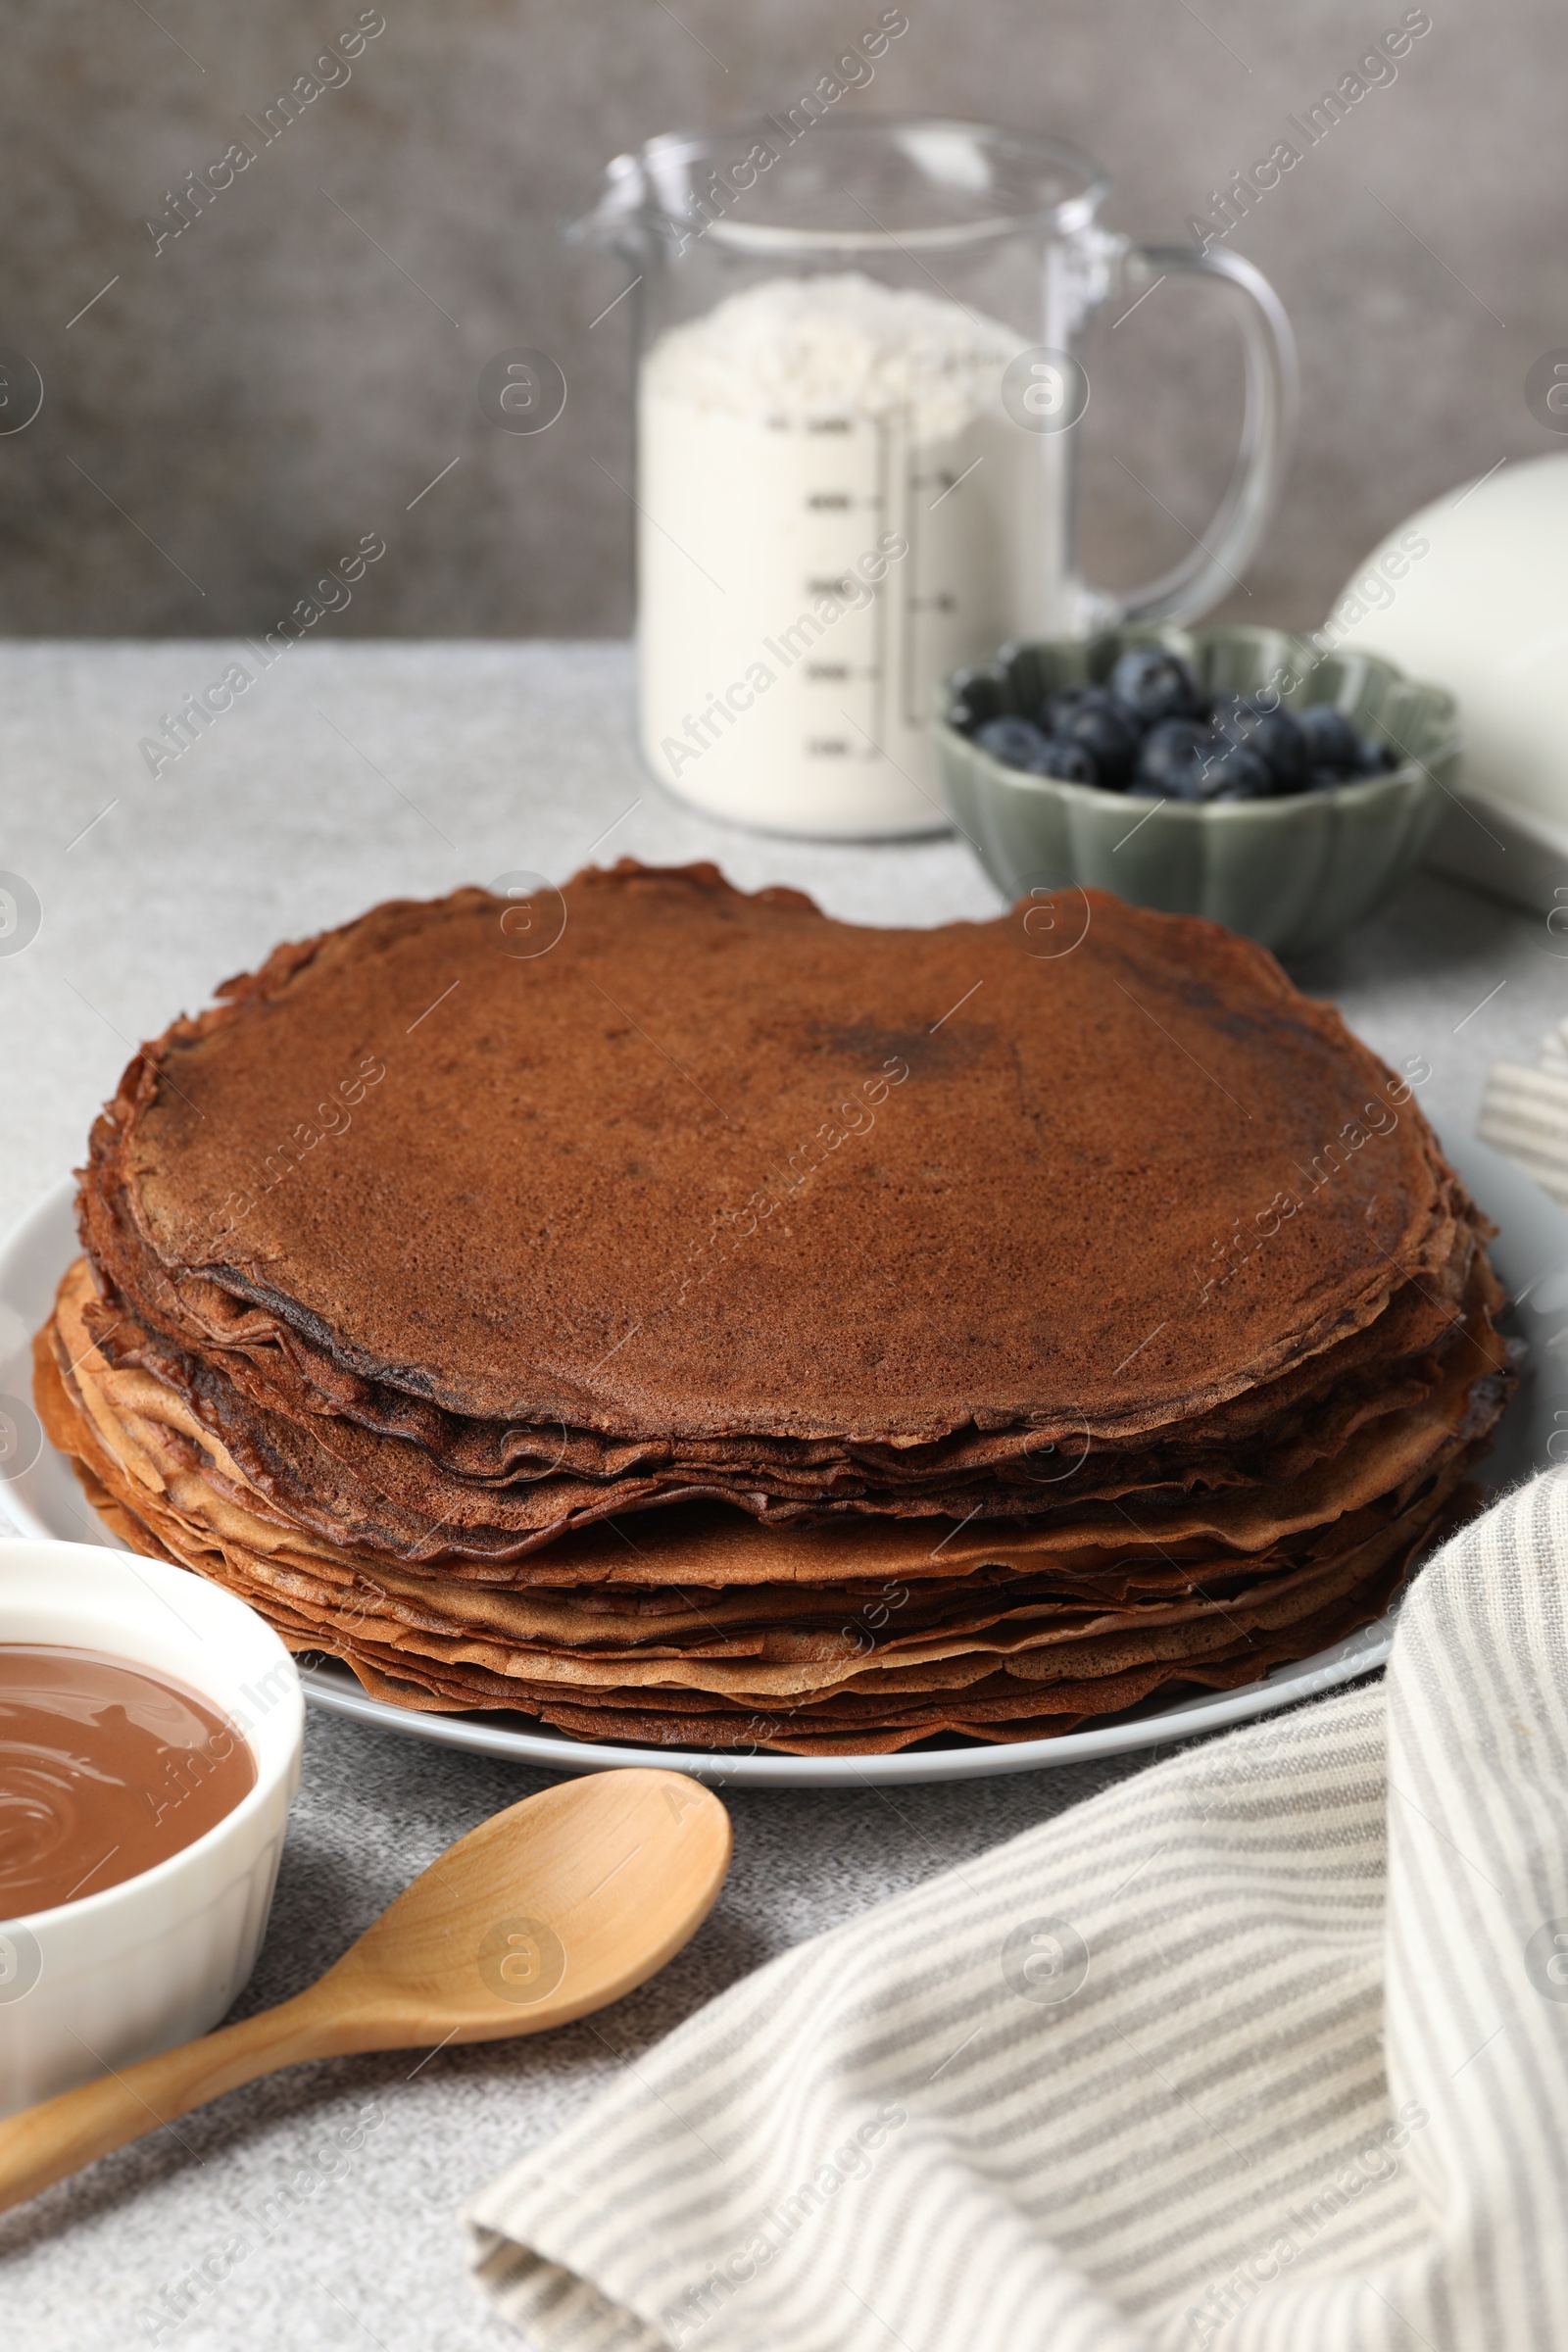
232	413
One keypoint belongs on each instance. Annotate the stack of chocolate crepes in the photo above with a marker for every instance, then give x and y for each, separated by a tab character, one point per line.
685	1318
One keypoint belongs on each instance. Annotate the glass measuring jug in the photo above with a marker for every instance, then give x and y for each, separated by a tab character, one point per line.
857	397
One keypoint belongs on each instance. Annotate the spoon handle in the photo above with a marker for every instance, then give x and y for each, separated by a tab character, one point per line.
44	2143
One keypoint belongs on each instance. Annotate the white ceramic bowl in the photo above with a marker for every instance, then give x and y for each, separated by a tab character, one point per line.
118	1975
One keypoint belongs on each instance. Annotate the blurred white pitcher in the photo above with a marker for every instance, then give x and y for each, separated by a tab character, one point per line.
856	455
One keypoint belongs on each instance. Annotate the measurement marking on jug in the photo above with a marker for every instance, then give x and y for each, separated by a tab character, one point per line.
953	481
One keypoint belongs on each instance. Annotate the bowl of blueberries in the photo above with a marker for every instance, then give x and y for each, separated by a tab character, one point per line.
1233	771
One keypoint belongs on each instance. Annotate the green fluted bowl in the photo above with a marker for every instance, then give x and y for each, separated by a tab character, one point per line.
1293	872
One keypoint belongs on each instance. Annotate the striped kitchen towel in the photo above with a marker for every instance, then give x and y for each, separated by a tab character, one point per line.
1265	2048
1525	1114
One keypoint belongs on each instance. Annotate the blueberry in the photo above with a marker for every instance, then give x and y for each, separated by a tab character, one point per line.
1172	760
1155	685
1107	730
1016	742
1331	740
1073	762
1236	772
1067	698
1374	758
972	698
1272	732
1326	779
1019	743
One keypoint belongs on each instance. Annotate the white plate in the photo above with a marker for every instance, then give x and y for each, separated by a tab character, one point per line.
1531	1254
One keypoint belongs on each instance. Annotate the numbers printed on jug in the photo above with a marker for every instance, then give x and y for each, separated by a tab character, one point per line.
825	475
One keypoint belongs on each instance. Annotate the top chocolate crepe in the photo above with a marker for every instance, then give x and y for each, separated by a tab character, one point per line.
714	1165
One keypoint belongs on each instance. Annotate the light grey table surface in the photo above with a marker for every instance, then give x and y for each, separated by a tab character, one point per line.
343	777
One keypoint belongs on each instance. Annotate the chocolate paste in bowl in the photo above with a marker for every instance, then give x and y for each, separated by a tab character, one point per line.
105	1768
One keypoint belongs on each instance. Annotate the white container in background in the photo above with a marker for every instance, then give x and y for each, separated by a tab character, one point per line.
1472	592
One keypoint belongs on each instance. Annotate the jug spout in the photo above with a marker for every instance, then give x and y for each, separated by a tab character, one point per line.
616	221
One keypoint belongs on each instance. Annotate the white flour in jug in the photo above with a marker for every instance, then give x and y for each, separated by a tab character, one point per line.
836	511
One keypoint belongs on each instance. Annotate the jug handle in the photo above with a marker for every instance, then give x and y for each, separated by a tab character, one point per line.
1268	425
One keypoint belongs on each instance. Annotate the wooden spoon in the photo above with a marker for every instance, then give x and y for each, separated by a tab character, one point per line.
549	1910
